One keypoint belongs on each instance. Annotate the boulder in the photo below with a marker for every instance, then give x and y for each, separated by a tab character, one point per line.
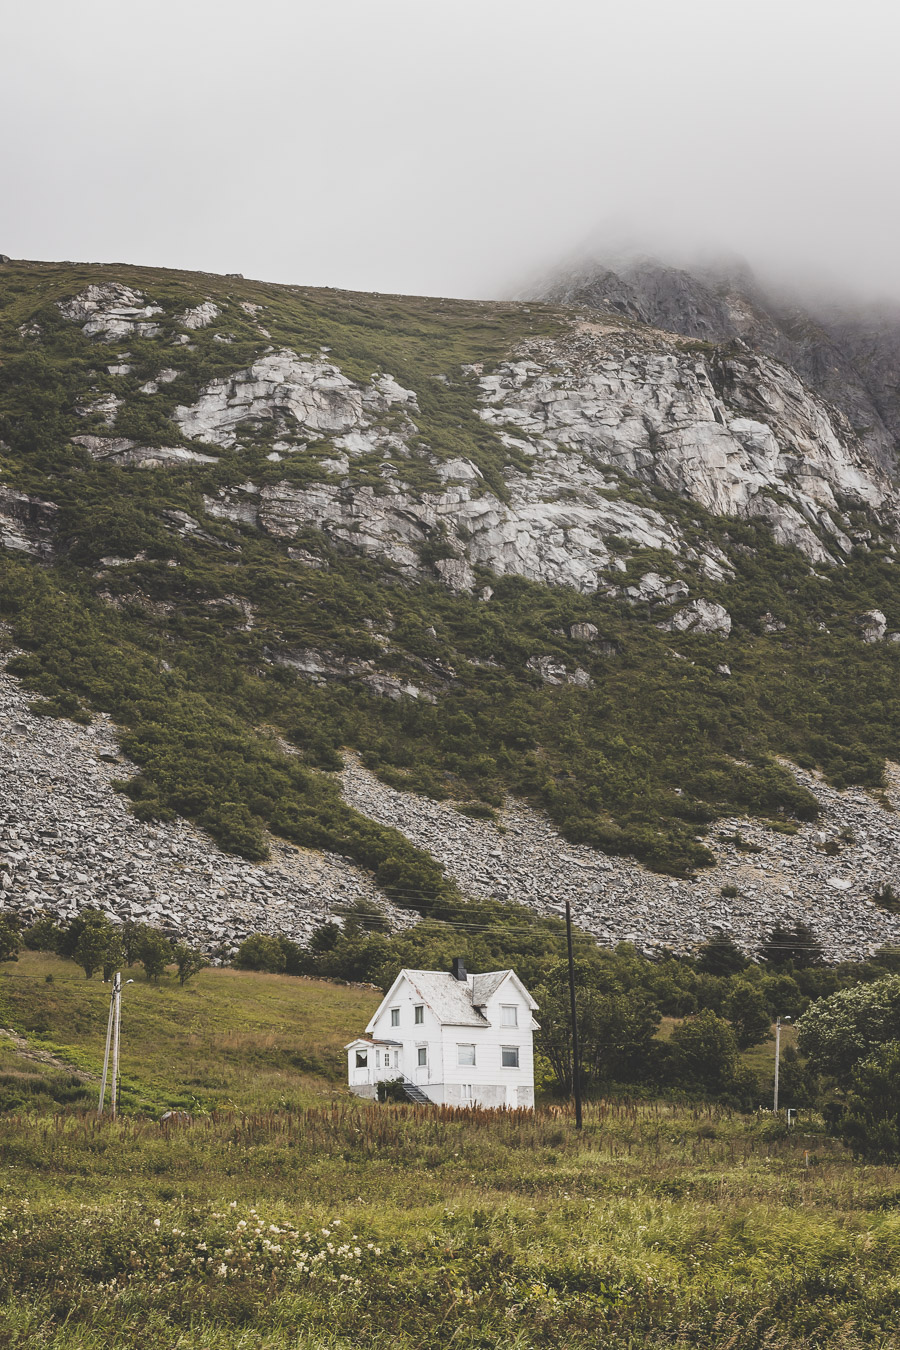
700	616
873	625
584	632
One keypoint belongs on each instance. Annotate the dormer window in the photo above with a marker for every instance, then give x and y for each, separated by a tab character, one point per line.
419	1014
509	1015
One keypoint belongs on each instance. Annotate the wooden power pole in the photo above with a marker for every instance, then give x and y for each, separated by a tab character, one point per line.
112	1043
576	1054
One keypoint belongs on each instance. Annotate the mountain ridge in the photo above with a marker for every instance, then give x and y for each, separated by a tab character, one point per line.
495	548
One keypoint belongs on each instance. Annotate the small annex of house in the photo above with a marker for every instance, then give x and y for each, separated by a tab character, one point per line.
450	1038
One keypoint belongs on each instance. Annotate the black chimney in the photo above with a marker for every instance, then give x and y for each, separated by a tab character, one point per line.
459	969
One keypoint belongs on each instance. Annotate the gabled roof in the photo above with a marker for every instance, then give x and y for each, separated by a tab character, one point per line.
483	986
455	1003
448	998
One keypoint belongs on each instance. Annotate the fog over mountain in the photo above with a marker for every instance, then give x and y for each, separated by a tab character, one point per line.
452	148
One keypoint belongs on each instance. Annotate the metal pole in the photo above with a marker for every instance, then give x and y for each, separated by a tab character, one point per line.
576	1055
117	997
109	1030
777	1058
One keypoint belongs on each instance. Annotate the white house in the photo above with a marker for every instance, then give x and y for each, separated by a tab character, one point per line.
453	1039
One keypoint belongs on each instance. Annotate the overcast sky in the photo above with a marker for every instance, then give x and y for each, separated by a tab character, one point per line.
451	147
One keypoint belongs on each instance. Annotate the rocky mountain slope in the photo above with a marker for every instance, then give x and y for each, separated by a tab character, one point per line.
521	558
849	355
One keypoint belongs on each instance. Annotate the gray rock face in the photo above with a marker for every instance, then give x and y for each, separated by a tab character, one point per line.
27	524
700	616
737	432
740	435
552	671
584	632
874	626
121	450
849	358
310	396
736	435
201	316
111	312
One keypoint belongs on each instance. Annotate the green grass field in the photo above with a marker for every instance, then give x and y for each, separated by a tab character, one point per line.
229	1038
285	1214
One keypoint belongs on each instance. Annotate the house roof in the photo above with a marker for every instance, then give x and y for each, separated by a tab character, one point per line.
454	1002
448	998
366	1042
485	985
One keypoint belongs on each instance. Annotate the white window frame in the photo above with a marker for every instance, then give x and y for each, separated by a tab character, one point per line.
362	1059
421	1056
419	1014
395	1017
459	1055
505	1010
509	1050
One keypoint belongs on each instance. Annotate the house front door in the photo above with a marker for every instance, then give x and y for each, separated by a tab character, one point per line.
422	1075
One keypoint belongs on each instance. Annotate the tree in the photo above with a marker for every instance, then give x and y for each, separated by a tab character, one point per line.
838	1033
870	1124
260	952
43	935
154	952
797	946
704	1053
748	1014
720	956
783	995
131	934
112	957
93	942
10	939
616	1027
188	960
71	933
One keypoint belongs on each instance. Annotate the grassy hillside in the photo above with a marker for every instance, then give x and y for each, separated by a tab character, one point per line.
642	762
229	1038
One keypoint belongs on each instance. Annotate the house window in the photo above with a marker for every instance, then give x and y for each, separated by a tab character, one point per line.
509	1015
377	1059
465	1092
509	1056
396	1059
419	1014
395	1017
465	1054
423	1055
362	1059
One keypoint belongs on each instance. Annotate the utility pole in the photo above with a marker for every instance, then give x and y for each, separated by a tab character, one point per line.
114	1086
777	1060
109	1031
112	1041
576	1055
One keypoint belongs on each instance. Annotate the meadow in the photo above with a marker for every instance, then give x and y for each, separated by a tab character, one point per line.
285	1214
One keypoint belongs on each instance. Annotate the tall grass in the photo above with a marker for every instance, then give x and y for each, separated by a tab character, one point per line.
351	1224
